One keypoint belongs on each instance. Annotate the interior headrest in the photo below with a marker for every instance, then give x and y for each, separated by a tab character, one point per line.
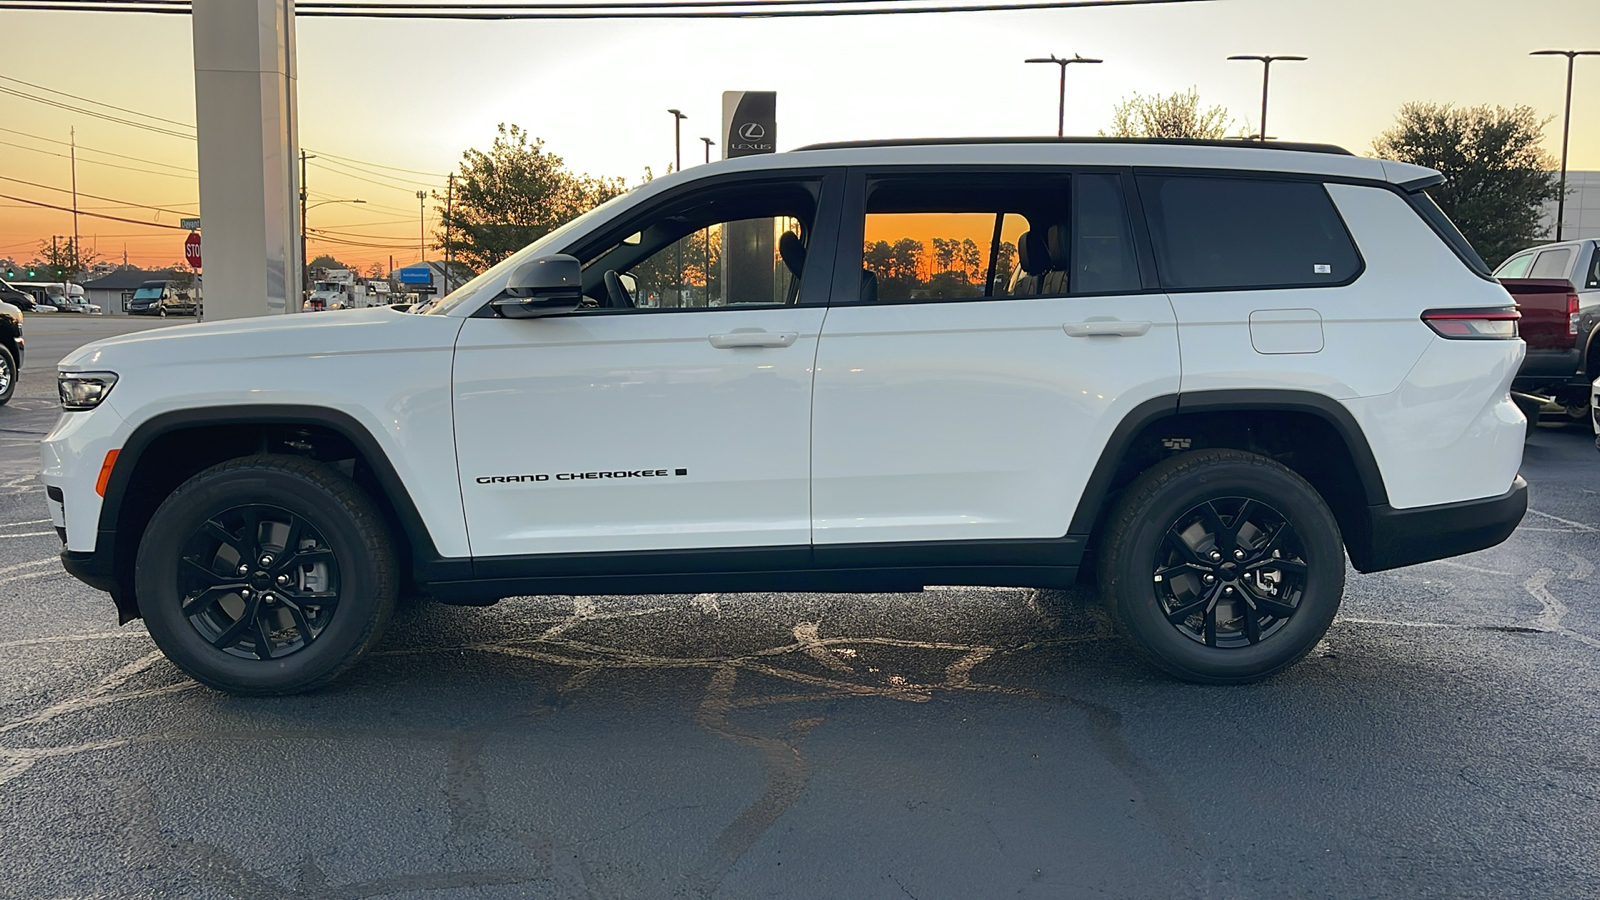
1032	255
793	252
1058	245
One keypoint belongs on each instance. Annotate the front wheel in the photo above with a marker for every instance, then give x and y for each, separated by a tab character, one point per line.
1223	567
266	575
8	375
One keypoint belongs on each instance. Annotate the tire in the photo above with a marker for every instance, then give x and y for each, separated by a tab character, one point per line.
1181	522
247	632
1530	411
161	311
8	375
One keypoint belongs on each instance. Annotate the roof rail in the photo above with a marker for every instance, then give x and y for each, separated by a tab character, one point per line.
1177	142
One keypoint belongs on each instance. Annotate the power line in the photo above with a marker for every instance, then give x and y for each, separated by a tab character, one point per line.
82	147
383	184
94	215
135	112
89	112
685	10
97	162
49	187
408	184
323	154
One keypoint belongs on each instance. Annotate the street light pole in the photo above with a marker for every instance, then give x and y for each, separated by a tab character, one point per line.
677	137
708	142
305	261
422	224
1566	126
1266	71
1061	106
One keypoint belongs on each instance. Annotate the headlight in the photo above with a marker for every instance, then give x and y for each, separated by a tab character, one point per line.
84	390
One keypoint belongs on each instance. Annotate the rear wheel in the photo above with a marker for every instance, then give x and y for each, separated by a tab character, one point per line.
1223	567
266	575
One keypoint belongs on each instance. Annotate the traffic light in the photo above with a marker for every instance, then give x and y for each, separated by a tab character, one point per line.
10	273
30	272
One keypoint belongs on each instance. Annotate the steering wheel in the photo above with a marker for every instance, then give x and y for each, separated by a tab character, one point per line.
615	292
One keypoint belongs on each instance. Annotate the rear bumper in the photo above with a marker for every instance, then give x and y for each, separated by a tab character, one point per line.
1402	537
1548	368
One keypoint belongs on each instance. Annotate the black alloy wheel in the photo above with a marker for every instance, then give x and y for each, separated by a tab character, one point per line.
1222	566
266	575
1230	572
258	581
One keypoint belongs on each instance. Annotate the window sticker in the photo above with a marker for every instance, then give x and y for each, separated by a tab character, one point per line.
1322	269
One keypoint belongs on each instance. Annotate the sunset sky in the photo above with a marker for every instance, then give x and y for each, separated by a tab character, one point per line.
413	95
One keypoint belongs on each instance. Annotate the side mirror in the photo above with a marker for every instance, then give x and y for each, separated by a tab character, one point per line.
547	286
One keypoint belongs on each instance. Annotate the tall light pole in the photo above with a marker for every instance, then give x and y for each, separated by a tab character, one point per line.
1061	107
677	136
1566	125
1266	72
708	143
422	224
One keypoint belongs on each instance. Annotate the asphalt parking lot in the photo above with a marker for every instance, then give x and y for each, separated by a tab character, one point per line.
961	743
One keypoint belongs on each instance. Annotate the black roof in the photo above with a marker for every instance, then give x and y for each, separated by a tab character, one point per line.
1180	142
122	279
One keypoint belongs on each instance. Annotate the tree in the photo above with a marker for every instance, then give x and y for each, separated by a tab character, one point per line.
62	260
1498	177
1171	116
510	196
327	262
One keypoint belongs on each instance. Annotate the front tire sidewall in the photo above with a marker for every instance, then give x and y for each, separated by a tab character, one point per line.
1128	583
9	363
365	591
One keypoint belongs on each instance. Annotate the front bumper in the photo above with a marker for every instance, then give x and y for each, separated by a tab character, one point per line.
1392	538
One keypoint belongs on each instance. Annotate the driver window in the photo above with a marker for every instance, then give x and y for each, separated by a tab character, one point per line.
737	246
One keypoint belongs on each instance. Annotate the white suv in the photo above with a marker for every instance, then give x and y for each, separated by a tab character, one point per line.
1202	372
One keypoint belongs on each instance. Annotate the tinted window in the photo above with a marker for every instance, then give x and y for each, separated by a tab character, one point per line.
1552	264
1104	260
1240	232
1593	279
1515	267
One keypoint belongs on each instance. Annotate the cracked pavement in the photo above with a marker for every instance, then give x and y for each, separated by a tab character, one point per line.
958	743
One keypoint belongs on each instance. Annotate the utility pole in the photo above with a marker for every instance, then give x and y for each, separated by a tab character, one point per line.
305	261
677	137
1266	70
449	202
708	142
1566	127
1061	108
422	224
77	250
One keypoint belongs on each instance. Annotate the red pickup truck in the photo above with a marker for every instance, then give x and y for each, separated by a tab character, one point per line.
1560	324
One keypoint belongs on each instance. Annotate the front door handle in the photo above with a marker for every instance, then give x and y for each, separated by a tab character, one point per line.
753	339
1106	328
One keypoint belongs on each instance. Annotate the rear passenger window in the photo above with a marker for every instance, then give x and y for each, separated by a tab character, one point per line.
1027	234
1552	264
1245	233
1515	267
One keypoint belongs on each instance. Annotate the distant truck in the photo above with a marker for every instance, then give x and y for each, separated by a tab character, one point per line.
1557	289
344	289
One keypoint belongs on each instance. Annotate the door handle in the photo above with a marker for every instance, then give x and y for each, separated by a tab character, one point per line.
1106	328
753	339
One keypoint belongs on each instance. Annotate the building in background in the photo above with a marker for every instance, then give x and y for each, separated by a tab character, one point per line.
1583	208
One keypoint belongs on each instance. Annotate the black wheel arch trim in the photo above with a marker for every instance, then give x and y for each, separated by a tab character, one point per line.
1091	505
426	562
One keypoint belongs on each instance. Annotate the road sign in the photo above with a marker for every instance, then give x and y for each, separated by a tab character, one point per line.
416	275
190	224
191	249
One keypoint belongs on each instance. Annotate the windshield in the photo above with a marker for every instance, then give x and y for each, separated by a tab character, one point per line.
147	293
327	286
550	243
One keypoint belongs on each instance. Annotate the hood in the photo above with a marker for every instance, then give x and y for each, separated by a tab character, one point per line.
238	341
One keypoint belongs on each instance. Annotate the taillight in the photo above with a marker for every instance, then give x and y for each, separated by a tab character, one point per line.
1572	315
1488	324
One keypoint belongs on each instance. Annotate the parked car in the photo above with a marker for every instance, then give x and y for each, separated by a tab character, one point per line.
11	347
164	297
1558	288
1220	368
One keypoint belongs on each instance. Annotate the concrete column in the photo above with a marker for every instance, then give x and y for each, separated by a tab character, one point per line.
246	111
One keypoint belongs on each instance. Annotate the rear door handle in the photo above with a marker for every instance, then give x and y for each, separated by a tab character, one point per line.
1106	328
753	339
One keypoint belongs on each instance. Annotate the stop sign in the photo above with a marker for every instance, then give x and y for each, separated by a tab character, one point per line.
191	249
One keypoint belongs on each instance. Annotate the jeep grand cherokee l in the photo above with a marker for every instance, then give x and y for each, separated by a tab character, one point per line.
1202	373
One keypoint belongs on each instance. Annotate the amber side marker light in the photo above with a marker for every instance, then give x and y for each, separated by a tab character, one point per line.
105	472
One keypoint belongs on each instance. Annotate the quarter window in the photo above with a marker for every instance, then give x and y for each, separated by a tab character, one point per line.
1552	264
1245	233
1515	267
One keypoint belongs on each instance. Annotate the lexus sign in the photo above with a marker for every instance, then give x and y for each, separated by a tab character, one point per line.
749	122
